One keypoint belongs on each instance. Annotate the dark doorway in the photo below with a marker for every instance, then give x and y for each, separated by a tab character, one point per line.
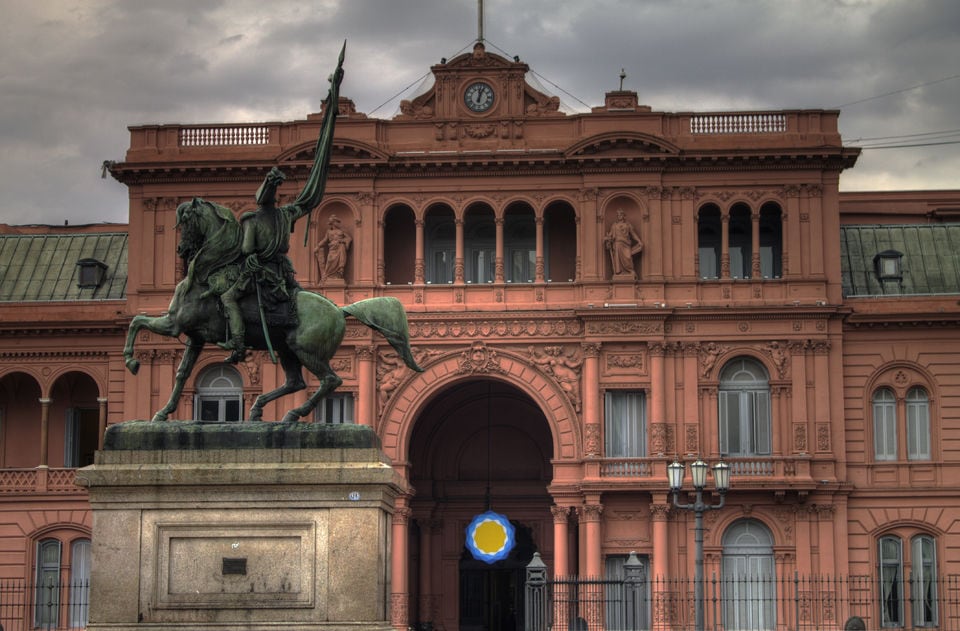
491	596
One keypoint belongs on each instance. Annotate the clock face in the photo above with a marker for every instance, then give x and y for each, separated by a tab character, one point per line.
478	97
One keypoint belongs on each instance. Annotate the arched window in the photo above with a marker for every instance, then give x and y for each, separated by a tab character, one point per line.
219	395
708	241
744	398
923	581
918	424
741	241
399	245
46	609
771	241
749	581
884	424
890	558
520	244
79	605
440	247
480	245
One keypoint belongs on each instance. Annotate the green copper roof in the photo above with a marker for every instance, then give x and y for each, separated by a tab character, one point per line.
44	267
930	261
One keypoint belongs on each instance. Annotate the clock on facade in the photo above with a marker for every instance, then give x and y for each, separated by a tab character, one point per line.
478	97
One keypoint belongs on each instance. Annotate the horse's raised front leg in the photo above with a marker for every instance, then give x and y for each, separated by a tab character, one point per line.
161	326
294	383
190	355
329	381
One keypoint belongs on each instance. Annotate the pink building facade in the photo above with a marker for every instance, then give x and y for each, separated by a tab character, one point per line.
592	296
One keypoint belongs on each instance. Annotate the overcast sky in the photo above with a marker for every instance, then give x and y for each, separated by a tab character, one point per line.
75	73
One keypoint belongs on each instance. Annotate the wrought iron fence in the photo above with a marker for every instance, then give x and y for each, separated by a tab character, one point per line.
52	606
781	603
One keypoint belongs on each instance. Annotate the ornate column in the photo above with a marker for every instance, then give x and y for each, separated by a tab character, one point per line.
44	429
658	408
660	570
102	425
366	408
419	267
498	272
539	273
590	515
755	245
561	553
458	252
589	247
591	399
724	244
400	596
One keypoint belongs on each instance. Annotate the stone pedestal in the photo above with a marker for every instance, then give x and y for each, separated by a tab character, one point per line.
260	527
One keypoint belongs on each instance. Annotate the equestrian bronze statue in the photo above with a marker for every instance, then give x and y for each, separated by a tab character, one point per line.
239	291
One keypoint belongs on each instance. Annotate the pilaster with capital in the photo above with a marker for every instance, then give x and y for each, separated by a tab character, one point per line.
366	411
590	389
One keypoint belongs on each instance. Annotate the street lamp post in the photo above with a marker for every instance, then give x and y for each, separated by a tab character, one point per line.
698	472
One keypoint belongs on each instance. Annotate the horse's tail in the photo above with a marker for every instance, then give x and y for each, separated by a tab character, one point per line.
386	316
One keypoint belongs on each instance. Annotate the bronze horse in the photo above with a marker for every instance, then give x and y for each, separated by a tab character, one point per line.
209	236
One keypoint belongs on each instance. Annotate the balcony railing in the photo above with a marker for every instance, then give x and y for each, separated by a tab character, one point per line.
224	136
39	480
752	468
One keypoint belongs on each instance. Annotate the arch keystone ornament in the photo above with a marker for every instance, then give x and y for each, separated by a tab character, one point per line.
490	537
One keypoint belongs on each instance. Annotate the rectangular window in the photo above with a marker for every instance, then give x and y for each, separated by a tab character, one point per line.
884	427
79	584
891	582
440	266
918	429
336	408
923	582
480	265
745	423
46	610
523	265
627	607
708	263
625	424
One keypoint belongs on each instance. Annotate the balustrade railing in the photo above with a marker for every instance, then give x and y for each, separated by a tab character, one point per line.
221	136
758	123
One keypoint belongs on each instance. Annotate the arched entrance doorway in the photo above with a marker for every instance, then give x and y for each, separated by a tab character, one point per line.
477	445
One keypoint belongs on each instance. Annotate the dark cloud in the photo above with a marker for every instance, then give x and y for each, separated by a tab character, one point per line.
75	73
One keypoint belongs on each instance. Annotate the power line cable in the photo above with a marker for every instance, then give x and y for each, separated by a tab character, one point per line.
880	96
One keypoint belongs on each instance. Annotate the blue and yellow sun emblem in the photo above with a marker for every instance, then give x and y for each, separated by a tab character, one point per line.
490	537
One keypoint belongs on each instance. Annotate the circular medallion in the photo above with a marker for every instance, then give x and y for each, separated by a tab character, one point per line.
478	97
490	537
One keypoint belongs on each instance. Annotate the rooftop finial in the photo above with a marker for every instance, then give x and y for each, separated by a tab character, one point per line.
480	21
623	75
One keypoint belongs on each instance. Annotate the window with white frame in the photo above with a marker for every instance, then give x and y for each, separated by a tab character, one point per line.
625	424
46	608
889	433
918	424
923	581
79	604
884	424
219	395
744	401
890	558
336	408
749	581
